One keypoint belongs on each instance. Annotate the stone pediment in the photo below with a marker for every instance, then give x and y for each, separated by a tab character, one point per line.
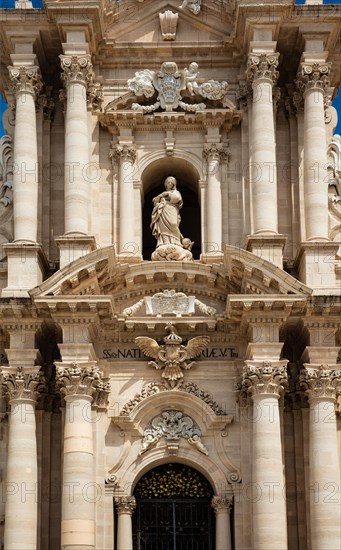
137	21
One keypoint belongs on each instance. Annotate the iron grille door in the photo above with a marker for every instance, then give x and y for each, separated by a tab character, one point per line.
173	524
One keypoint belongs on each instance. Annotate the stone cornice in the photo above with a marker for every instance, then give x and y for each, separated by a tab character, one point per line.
321	381
26	80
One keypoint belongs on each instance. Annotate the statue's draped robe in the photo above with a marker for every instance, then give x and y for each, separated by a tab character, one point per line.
166	218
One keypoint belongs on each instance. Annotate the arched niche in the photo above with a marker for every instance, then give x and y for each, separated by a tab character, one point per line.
187	177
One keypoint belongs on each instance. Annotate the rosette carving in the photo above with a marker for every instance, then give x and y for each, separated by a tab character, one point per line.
220	504
262	66
76	380
216	151
76	69
126	505
18	384
123	152
264	378
313	76
321	381
26	79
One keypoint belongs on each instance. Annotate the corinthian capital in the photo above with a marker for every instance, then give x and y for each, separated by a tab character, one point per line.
220	504
126	505
265	378
76	69
76	380
320	381
123	152
216	151
313	76
26	79
262	66
20	383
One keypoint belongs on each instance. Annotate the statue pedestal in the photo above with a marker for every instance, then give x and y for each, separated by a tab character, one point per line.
172	252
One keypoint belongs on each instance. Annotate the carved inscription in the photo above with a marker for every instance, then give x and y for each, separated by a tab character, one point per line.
127	353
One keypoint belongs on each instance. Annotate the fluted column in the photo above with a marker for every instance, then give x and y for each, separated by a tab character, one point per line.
125	156
262	75
312	82
26	82
77	75
265	381
19	385
125	509
222	507
79	384
214	154
323	383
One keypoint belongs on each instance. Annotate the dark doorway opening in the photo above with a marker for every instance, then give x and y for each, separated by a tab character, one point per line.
173	510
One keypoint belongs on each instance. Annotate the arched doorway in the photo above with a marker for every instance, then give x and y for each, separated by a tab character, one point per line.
187	183
173	510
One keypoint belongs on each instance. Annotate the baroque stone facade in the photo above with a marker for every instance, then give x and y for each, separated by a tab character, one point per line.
170	272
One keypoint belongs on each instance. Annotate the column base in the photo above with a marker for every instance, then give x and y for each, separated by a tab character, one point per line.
316	265
73	247
129	258
267	247
26	266
212	258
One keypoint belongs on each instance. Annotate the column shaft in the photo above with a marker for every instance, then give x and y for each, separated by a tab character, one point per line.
315	159
27	84
222	507
125	508
214	154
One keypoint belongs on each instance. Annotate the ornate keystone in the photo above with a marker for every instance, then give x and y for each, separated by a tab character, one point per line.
313	76
216	151
126	505
265	378
123	152
76	69
19	385
75	380
220	504
262	66
320	381
26	80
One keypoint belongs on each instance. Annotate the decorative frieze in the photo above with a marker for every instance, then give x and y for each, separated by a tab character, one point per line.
76	69
320	381
125	505
262	66
216	151
264	377
313	76
76	380
26	80
220	504
123	152
20	384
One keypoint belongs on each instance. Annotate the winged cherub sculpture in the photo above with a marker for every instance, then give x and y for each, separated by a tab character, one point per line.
172	356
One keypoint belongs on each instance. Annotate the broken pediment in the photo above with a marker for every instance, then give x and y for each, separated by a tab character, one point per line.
137	21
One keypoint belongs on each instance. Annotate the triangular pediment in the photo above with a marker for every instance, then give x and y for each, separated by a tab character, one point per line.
138	21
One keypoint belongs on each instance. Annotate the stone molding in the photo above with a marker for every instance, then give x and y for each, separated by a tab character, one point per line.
267	377
76	69
123	152
262	66
216	151
313	76
78	380
125	505
321	381
26	80
20	384
222	504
